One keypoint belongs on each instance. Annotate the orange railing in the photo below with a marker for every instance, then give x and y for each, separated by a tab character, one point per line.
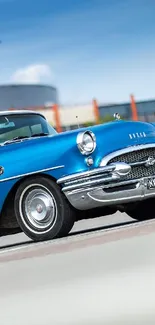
95	107
133	108
96	111
57	118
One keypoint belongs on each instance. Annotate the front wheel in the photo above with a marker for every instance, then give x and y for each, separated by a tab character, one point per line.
41	209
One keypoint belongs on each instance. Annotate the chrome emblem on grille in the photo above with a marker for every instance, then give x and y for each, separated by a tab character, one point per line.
137	135
150	161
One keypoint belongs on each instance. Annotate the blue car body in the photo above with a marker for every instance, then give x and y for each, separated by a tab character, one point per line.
58	156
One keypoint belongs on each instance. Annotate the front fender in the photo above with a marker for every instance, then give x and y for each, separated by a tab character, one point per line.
55	156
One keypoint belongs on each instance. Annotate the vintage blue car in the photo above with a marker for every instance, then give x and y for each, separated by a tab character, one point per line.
48	181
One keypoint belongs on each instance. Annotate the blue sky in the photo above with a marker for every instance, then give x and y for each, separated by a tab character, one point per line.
87	48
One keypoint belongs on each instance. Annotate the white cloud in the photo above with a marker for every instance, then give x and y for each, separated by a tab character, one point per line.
32	74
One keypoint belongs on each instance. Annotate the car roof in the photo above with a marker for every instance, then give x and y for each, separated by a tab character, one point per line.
20	112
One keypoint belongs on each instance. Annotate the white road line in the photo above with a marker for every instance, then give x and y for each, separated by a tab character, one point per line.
81	237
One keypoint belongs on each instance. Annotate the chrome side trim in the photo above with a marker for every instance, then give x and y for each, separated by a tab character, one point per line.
114	154
103	186
95	177
94	182
113	185
31	173
88	173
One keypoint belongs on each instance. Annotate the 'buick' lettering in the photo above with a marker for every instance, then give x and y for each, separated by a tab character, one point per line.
137	135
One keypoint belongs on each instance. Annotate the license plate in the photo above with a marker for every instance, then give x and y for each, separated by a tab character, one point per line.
151	183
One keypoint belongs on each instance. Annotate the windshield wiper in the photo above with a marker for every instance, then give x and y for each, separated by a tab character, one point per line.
15	139
24	137
41	134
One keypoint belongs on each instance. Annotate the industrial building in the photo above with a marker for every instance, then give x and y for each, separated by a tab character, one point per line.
25	96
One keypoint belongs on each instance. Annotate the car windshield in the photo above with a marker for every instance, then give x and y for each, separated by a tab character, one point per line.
23	126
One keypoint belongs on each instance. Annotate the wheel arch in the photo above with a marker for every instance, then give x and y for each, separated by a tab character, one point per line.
8	218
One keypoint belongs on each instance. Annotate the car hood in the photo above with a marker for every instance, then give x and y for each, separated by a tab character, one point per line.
117	135
61	149
114	136
121	134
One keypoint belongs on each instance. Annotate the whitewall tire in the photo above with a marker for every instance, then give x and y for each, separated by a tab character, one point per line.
41	209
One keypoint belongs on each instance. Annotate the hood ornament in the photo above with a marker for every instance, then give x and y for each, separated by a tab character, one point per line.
117	116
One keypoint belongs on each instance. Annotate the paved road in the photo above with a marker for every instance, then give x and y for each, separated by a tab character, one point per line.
81	225
109	279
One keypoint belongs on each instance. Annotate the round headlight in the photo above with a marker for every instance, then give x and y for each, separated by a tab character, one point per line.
86	142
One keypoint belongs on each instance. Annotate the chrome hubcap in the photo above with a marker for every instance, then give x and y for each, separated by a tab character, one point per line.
40	208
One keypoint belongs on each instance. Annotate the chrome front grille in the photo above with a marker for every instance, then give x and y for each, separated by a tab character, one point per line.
137	157
116	169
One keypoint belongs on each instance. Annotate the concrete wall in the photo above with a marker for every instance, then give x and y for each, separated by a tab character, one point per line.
84	114
76	114
71	116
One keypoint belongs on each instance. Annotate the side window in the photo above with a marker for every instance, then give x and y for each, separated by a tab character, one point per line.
36	128
24	131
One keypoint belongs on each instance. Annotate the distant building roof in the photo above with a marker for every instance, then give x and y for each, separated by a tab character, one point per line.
20	96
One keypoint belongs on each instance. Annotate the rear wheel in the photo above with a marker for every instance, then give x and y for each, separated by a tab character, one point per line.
41	209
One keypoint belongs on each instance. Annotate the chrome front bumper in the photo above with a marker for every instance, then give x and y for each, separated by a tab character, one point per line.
104	186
